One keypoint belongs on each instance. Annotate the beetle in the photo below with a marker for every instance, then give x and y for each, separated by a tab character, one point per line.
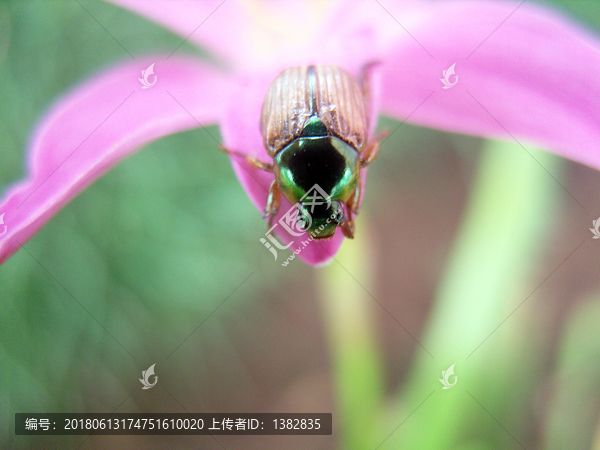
315	126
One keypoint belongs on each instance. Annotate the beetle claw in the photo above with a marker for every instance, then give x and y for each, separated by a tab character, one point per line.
348	223
254	162
273	201
348	228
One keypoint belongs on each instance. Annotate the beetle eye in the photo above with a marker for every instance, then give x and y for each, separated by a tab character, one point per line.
303	218
337	214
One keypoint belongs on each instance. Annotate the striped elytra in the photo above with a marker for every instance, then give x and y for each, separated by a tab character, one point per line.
327	92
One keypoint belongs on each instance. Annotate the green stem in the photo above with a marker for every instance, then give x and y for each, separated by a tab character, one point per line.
356	362
487	277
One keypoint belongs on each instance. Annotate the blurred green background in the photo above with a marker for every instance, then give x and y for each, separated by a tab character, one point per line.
462	257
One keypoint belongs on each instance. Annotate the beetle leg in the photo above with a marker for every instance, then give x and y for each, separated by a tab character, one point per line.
273	201
369	154
351	209
371	151
354	200
348	225
364	79
254	162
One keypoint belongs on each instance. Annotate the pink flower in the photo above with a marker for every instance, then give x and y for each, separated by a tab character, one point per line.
524	73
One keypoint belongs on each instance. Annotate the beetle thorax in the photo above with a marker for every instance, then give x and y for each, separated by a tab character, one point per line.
317	158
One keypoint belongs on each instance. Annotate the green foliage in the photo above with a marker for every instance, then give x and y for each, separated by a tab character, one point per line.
146	252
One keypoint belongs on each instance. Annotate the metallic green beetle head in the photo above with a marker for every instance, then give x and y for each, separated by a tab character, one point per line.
318	165
322	220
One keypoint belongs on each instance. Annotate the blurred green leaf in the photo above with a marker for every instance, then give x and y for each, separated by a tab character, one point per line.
487	277
574	407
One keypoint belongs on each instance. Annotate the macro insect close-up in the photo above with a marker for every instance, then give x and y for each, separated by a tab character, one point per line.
193	256
315	126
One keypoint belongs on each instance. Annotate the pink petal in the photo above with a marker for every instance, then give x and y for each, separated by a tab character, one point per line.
267	34
244	34
96	126
536	75
214	24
